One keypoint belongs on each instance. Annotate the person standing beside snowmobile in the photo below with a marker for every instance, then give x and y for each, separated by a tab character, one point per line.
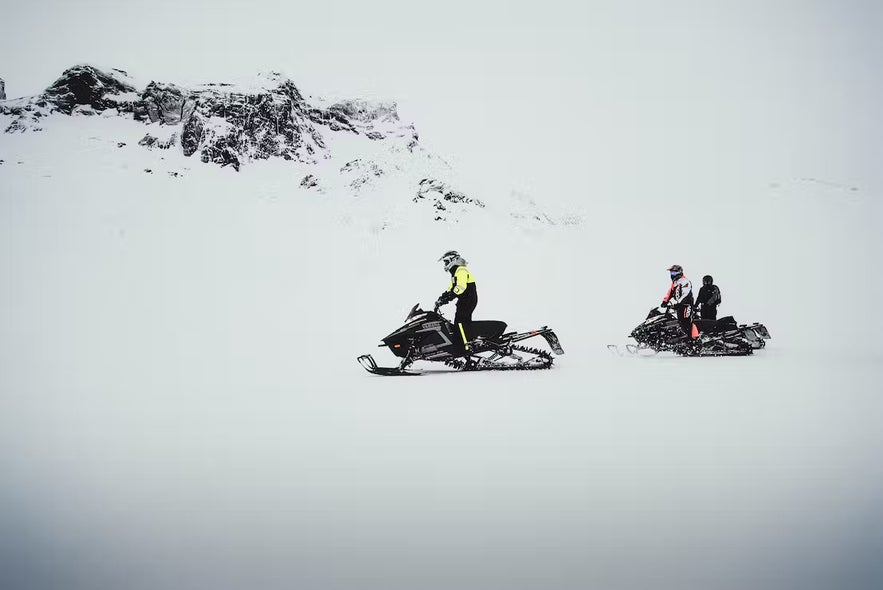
708	299
680	298
463	289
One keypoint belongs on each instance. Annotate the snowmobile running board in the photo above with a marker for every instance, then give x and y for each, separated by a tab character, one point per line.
370	365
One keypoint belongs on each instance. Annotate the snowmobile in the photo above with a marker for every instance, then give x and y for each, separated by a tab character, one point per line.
662	331
428	336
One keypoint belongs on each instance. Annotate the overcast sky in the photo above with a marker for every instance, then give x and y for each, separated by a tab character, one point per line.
554	97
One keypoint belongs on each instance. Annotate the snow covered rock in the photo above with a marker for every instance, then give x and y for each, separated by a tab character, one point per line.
267	123
361	172
160	102
27	115
366	111
443	198
150	142
85	85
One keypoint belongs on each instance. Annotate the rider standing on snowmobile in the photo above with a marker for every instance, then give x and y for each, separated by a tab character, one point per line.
680	298
462	288
708	299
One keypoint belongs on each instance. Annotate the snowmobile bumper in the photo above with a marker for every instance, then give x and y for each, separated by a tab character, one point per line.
552	341
549	336
756	334
761	331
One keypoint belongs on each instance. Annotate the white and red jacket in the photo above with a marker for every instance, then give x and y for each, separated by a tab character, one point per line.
681	291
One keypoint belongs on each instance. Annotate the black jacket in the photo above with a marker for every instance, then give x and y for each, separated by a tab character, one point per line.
709	295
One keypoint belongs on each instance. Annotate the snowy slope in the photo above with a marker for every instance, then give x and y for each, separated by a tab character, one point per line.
180	405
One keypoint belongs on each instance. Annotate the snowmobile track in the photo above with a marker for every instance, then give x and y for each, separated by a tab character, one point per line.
545	362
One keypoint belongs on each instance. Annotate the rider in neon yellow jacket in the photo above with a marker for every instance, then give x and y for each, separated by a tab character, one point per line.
462	288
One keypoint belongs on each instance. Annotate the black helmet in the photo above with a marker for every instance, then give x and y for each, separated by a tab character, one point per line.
707	280
676	271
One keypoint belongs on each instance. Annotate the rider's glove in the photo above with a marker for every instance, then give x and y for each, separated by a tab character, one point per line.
444	298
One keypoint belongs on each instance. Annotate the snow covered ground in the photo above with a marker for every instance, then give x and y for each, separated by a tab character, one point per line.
180	405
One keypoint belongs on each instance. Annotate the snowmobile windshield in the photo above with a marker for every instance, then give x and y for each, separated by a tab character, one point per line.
415	311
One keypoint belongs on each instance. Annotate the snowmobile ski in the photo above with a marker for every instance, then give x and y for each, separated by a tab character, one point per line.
631	349
370	365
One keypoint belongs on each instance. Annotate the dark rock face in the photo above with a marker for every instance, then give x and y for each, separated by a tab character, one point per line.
160	102
193	134
222	151
85	85
271	123
2	89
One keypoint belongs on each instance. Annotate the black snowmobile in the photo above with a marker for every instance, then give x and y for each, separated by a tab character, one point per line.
428	336
662	331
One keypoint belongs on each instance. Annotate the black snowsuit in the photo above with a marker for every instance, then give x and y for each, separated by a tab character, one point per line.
708	299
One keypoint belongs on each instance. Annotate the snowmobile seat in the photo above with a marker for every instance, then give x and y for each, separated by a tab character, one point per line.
724	324
487	329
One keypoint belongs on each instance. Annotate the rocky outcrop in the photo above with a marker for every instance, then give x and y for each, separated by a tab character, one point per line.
194	131
161	103
151	142
85	85
2	89
27	115
442	197
366	111
265	124
362	173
